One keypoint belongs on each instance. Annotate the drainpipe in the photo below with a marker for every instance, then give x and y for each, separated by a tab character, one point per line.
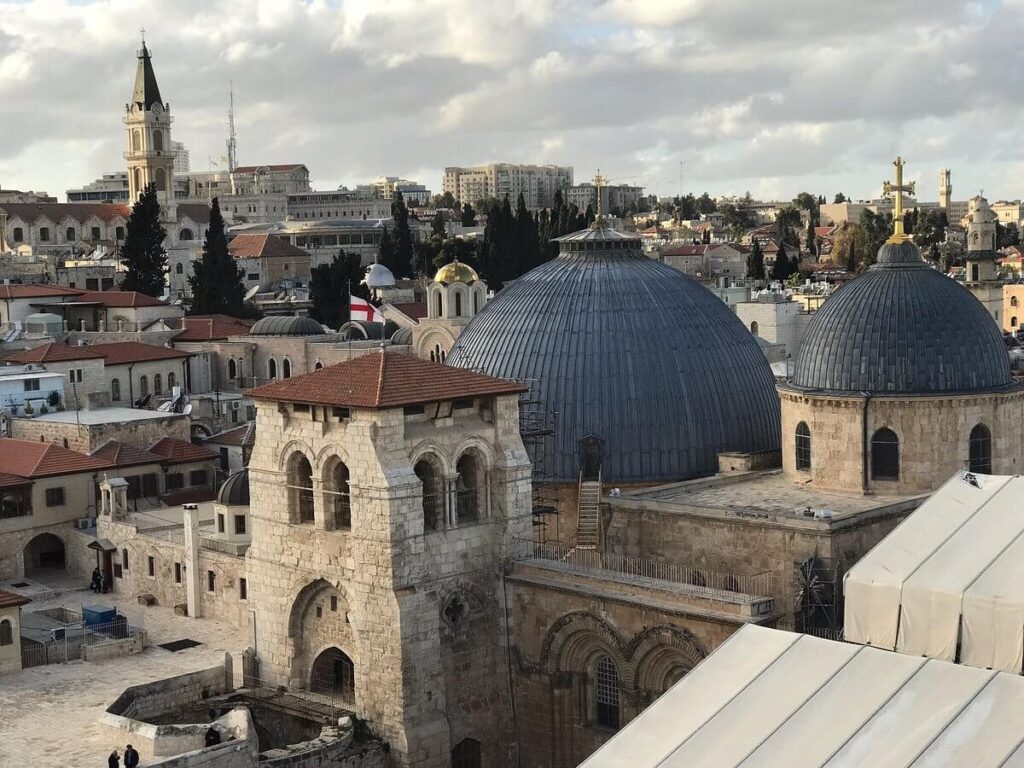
864	442
131	389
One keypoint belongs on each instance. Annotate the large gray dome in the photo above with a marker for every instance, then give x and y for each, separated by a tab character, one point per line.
902	327
622	347
286	325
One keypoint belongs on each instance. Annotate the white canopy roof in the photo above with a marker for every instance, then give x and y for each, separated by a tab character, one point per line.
952	574
772	698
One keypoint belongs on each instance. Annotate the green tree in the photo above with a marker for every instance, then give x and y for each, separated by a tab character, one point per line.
929	228
437	225
705	204
877	228
447	200
781	269
386	250
736	219
468	215
216	280
1007	235
811	238
686	208
527	239
330	286
806	201
498	257
839	198
143	250
755	262
787	224
403	237
849	248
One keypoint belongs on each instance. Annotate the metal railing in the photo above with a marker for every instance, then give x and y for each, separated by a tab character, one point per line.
755	585
68	642
234	548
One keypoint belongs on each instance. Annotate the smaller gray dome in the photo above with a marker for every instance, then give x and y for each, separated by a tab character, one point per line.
286	325
899	253
402	336
235	491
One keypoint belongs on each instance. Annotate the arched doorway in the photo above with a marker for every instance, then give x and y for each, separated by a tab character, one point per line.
333	674
44	555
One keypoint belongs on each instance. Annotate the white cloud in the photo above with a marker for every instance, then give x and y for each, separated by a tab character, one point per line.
772	96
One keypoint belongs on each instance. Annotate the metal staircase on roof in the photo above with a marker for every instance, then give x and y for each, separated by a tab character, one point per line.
588	511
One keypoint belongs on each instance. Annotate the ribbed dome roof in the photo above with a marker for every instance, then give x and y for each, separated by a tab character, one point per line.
620	346
902	327
286	325
456	272
235	491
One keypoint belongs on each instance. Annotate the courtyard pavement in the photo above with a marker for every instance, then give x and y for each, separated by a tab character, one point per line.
49	714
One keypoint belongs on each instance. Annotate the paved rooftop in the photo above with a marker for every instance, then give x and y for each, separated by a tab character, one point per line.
104	416
761	494
76	694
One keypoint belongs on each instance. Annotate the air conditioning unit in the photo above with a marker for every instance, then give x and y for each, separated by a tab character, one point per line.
235	404
83	523
83	343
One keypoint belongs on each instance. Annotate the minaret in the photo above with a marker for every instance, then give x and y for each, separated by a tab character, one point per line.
982	277
148	126
232	148
945	190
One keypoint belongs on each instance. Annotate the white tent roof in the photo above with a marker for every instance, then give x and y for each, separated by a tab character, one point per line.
771	698
952	574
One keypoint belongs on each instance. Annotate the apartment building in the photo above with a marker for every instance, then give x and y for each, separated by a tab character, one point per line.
537	183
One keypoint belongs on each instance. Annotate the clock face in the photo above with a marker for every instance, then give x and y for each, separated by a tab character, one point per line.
157	109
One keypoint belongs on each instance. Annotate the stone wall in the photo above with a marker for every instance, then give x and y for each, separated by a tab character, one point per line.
230	754
87	437
160	696
933	437
110	649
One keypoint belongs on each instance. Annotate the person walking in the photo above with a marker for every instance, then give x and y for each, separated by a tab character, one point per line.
114	761
96	577
131	757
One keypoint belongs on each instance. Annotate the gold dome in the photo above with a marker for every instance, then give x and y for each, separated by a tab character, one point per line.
456	272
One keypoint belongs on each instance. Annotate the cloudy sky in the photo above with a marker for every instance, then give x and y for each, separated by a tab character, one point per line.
771	96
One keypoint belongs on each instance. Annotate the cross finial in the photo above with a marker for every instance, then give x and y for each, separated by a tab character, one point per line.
599	182
142	31
896	190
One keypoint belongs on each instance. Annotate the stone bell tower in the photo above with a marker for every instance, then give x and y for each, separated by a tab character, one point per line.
945	190
148	151
982	278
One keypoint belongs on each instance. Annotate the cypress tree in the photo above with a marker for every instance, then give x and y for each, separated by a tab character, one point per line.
403	237
527	243
330	286
755	262
437	227
781	267
386	251
216	280
143	250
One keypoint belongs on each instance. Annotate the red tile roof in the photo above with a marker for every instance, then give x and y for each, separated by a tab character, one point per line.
382	380
35	291
239	436
121	299
686	250
29	459
120	455
52	353
254	168
121	352
414	310
176	451
212	327
11	600
13	481
56	212
264	246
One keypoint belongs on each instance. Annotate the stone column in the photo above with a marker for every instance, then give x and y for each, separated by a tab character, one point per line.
191	574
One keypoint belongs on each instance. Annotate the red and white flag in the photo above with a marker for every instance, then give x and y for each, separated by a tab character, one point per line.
361	309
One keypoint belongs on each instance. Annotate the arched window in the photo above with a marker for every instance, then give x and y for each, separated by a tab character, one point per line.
468	753
44	234
271	369
161	180
171	381
803	446
136	140
433	495
606	692
158	384
754	327
286	368
18	235
458	305
885	455
143	386
300	488
69	235
980	450
1014	302
179	269
469	488
338	495
186	234
96	234
232	369
138	181
476	302
6	633
115	390
158	141
318	366
439	303
119	233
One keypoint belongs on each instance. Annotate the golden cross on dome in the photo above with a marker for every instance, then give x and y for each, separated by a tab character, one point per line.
599	182
896	190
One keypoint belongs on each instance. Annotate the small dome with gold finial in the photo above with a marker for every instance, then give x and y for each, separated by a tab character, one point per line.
456	272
